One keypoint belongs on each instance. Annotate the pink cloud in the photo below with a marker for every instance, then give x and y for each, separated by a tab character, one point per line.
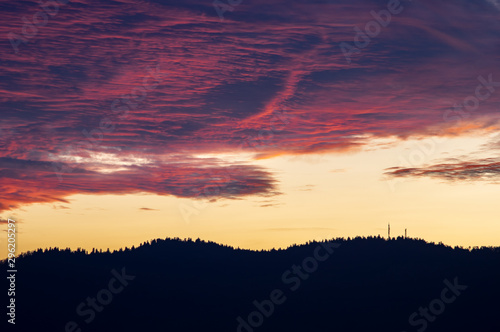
221	84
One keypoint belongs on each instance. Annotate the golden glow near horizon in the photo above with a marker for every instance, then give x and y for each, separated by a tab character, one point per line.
324	196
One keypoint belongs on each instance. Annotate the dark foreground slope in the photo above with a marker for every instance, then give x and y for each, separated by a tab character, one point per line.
172	285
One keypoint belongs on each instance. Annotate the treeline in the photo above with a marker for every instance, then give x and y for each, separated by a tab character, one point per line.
344	284
159	242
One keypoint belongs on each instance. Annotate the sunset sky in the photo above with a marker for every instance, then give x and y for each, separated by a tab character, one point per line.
256	123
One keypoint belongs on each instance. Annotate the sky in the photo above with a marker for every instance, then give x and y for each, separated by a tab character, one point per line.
257	124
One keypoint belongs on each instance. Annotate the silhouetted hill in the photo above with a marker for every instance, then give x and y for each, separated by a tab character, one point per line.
365	284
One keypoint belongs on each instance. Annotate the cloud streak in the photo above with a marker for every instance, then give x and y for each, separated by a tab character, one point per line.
476	170
27	182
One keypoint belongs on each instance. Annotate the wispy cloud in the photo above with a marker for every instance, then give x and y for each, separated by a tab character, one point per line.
476	170
301	229
495	3
307	187
177	177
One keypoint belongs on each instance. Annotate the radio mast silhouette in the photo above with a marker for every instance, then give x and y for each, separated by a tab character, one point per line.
389	231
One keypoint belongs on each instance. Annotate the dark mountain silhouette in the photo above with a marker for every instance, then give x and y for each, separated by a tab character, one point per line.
365	284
